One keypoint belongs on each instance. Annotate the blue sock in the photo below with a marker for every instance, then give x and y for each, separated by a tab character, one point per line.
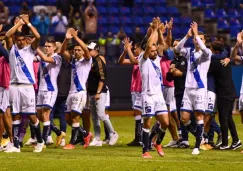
190	128
145	139
16	128
199	133
46	130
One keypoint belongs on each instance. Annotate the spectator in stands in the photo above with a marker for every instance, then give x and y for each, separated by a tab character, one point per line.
65	6
42	23
3	14
59	23
112	45
121	34
137	36
25	9
91	20
77	22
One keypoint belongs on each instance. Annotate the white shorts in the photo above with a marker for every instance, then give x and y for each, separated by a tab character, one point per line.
76	102
4	99
22	99
46	99
153	105
136	101
194	99
241	102
169	96
211	103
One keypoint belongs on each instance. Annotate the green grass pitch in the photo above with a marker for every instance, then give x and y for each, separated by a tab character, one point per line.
122	157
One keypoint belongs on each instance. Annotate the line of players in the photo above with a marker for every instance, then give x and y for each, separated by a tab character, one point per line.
169	80
18	91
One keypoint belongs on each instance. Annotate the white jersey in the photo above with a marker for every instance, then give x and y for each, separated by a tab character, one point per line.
21	65
49	73
197	64
151	75
80	73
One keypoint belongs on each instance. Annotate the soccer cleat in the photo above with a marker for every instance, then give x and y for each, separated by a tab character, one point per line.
59	138
195	151
5	142
69	147
87	140
183	144
236	145
208	146
9	145
170	144
105	141
146	155
1	148
63	142
49	141
224	147
135	143
12	149
159	150
39	147
30	142
203	147
96	142
113	138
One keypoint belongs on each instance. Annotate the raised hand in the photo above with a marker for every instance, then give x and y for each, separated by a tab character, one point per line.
170	24
68	34
189	33
162	27
73	32
25	18
127	43
225	61
194	28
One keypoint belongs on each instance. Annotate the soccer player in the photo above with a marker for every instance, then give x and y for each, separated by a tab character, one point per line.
81	64
195	93
22	94
50	66
136	87
152	98
97	92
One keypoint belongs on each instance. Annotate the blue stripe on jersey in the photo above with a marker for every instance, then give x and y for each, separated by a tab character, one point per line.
47	77
23	66
195	71
157	70
75	77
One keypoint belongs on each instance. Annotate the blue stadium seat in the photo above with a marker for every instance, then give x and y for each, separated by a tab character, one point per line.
113	20
185	20
103	30
101	10
52	2
234	31
173	11
149	2
102	3
147	20
161	2
209	14
160	10
222	24
148	10
221	13
102	20
234	23
137	10
196	4
125	11
208	3
233	13
113	10
14	10
137	20
114	29
125	20
138	2
128	30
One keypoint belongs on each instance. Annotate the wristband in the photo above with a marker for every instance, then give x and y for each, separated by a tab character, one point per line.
29	24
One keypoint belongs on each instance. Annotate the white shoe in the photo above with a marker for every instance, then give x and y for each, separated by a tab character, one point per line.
96	142
106	141
12	149
9	145
195	151
49	140
63	142
113	138
39	147
170	144
1	148
31	141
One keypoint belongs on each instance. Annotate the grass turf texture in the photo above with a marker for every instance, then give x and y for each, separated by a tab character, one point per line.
122	157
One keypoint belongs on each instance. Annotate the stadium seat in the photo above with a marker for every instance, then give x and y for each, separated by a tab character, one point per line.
102	10
52	2
209	14
125	11
173	11
14	10
114	29
137	20
148	10
147	20
128	30
234	31
113	10
102	20
221	13
233	13
113	20
208	3
222	24
185	20
161	2
234	23
149	2
160	10
101	3
196	4
137	10
125	20
103	30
